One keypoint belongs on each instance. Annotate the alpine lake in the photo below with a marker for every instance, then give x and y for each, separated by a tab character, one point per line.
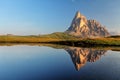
58	62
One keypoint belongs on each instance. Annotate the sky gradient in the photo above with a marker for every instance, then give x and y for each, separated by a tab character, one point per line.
32	17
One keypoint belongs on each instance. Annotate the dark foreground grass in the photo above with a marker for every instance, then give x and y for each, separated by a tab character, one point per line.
62	38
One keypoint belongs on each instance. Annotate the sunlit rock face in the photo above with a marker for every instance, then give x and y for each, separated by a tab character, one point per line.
81	27
82	55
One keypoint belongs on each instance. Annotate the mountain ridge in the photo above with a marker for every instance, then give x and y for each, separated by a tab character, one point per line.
81	27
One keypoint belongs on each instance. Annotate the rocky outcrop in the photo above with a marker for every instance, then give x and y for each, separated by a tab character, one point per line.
82	55
81	27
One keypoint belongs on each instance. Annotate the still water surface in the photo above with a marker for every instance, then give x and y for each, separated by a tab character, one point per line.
68	63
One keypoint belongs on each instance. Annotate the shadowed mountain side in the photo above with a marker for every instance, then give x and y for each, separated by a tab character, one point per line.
82	55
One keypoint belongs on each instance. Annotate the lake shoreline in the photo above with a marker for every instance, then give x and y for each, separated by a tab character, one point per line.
68	43
62	39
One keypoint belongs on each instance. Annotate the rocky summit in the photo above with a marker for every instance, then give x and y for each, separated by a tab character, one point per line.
81	27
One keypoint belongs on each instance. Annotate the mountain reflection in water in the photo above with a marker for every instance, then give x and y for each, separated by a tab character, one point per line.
79	55
82	55
56	62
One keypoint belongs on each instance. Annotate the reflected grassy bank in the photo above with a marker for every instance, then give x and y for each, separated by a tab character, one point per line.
58	46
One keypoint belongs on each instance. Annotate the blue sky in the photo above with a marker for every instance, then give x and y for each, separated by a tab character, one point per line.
27	17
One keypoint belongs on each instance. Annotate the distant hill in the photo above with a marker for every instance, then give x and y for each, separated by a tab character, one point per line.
58	35
114	36
81	27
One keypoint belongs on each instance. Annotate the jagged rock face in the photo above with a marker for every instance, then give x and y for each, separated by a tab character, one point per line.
82	55
81	27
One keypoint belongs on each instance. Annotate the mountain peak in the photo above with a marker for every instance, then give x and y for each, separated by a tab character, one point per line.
81	27
78	14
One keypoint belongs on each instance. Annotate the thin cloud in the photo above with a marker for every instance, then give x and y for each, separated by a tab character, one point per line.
73	0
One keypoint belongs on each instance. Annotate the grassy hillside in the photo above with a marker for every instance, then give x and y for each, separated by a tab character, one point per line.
61	38
58	35
102	41
41	38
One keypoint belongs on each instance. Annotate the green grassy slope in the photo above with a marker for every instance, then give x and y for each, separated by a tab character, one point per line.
58	35
61	38
42	38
